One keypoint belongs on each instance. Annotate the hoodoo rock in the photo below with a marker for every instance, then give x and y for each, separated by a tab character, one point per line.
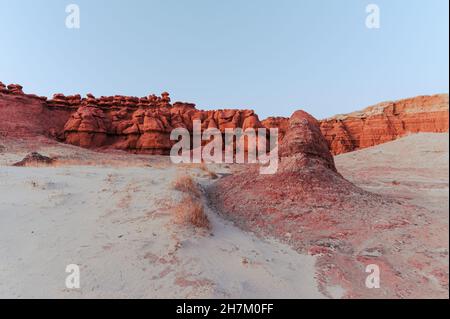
139	125
306	180
385	122
304	145
3	88
296	195
143	125
15	89
310	206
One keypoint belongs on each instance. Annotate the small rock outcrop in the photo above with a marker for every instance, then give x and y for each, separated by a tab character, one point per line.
34	159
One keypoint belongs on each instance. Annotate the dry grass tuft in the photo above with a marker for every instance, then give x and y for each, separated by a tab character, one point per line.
187	185
190	211
205	168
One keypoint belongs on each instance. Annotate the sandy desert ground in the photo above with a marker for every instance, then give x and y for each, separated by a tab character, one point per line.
112	214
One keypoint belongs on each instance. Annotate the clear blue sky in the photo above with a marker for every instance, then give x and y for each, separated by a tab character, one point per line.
272	56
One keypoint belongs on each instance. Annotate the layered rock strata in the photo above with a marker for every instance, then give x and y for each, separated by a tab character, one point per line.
385	122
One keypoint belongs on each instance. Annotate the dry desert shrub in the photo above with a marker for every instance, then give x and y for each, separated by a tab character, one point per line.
190	211
186	184
203	167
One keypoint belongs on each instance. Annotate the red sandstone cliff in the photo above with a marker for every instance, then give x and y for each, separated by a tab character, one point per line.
27	115
144	124
117	122
385	122
380	123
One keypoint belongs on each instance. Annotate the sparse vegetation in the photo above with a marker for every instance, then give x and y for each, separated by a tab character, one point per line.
205	168
34	184
186	184
202	167
190	210
35	159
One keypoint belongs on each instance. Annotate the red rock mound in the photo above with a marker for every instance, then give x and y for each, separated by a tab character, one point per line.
304	146
386	122
313	208
305	186
34	159
306	182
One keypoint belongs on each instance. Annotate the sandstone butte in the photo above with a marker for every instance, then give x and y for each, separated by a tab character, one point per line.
143	125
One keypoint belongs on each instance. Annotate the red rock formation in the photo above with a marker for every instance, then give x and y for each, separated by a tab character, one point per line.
298	196
34	159
306	180
281	123
27	115
386	122
310	206
304	144
143	124
118	122
15	89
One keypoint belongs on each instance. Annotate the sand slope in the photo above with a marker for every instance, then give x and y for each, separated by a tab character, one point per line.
111	214
116	223
414	168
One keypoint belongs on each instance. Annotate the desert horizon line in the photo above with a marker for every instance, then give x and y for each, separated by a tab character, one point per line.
17	89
